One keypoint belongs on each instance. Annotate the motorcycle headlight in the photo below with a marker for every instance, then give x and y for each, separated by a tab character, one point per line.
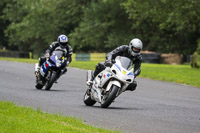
58	63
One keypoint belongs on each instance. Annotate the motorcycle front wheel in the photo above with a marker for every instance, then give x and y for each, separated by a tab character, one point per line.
51	81
109	96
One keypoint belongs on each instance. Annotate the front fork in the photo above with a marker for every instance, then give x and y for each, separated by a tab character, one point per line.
58	73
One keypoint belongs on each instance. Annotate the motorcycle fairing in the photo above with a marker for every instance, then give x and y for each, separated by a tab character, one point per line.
114	82
54	61
116	75
45	67
96	93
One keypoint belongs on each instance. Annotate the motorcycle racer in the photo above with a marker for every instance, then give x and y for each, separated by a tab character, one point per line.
62	43
131	51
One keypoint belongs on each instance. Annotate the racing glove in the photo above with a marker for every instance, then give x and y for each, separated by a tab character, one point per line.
108	63
47	56
67	63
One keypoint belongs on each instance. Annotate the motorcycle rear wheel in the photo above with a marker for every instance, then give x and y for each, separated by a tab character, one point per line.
51	81
87	99
109	97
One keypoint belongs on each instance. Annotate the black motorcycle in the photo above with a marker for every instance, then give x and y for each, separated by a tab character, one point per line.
50	70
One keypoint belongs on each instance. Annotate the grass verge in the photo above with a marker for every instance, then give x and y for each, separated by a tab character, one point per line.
19	60
15	119
184	74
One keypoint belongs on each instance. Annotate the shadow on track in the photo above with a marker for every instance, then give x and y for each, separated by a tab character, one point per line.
114	108
50	90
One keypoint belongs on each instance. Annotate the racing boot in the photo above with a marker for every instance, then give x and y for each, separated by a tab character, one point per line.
64	71
37	69
92	75
132	86
90	82
90	78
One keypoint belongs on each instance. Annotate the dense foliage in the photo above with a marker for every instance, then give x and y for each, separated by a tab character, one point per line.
101	25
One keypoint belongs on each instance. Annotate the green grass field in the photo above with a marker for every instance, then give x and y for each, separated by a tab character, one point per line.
16	119
171	73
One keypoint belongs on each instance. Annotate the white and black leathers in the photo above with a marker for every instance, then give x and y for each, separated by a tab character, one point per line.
121	51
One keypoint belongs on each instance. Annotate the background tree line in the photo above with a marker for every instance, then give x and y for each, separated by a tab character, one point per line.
100	25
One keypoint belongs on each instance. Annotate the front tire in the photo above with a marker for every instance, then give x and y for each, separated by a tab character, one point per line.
87	99
51	81
109	97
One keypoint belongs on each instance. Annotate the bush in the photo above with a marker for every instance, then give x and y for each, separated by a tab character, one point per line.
195	61
196	57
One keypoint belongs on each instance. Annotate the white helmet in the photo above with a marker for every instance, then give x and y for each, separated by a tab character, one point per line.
135	46
63	40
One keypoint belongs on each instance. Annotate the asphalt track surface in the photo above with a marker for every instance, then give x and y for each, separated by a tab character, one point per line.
155	106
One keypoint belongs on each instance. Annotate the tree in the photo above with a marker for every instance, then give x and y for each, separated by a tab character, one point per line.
166	26
104	26
101	25
4	24
39	22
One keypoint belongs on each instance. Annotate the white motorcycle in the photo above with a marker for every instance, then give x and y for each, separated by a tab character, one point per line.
110	83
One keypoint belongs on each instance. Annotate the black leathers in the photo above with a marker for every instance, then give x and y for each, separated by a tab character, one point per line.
120	51
55	45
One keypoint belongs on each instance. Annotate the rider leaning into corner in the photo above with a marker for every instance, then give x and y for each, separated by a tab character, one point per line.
131	51
63	43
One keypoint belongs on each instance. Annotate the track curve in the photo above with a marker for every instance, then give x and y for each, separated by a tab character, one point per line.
155	106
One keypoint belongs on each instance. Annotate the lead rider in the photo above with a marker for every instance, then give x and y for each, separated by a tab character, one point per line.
131	51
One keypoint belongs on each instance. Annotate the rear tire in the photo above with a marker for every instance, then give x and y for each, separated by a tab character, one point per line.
51	81
87	99
106	101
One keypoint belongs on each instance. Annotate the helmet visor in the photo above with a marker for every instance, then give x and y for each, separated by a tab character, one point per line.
63	44
135	50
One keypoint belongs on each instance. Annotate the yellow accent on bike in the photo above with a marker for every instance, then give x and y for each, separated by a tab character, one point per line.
124	72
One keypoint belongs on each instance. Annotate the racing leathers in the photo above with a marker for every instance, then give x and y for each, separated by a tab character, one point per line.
55	45
121	51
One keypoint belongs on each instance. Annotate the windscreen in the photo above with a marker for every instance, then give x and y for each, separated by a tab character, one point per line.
58	53
125	62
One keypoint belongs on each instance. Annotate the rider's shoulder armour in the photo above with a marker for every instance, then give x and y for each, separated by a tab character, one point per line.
54	44
122	48
70	49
